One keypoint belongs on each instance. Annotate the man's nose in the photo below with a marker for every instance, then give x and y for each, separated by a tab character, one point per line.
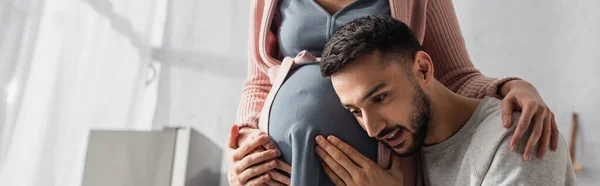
373	124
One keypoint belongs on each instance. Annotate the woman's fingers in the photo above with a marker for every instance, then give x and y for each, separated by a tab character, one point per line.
279	178
234	132
274	183
536	133
245	149
281	165
528	111
254	159
545	139
256	170
270	145
259	180
555	135
507	110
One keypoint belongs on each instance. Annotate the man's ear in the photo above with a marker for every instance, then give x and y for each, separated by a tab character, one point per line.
423	67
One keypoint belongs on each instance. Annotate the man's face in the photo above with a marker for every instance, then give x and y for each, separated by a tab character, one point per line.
386	100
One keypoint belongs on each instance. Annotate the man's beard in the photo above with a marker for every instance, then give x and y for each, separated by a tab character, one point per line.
419	120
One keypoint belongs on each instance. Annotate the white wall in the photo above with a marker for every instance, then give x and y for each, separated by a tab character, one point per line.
203	62
554	44
550	43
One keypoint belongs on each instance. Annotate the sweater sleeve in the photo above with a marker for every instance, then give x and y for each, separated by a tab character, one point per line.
257	85
254	93
444	42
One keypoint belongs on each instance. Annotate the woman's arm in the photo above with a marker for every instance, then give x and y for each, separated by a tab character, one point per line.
257	85
443	41
254	93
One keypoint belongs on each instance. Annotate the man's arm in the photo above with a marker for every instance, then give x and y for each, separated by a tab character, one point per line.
509	168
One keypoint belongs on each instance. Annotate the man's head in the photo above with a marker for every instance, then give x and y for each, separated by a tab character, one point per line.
379	71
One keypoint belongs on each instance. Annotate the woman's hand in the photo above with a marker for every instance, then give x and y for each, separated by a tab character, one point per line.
522	96
247	134
251	163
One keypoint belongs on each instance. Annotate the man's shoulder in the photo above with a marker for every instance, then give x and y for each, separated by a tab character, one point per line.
491	141
488	135
555	167
489	118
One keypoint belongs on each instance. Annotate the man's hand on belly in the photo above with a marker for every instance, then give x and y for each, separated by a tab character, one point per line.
253	159
346	166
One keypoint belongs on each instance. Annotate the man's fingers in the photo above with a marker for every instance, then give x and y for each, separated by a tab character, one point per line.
331	163
248	147
256	170
279	178
507	110
337	181
352	153
281	165
254	159
554	136
336	155
523	125
545	139
536	133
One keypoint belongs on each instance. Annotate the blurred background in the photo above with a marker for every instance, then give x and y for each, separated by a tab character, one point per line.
69	66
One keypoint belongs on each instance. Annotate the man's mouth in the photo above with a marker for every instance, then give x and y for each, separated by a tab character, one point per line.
394	138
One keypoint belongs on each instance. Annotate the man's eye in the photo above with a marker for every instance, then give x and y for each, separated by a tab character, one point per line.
355	112
379	98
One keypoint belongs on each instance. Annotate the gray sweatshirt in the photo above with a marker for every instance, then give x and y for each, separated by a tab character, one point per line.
478	154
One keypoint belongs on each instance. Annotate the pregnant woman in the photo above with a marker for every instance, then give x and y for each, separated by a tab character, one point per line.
303	104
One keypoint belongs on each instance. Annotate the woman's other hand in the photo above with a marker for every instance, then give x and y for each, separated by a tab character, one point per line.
521	96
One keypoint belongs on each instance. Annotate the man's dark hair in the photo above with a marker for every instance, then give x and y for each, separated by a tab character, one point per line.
364	35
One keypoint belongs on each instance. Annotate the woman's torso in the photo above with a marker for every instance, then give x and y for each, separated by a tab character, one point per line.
306	104
305	25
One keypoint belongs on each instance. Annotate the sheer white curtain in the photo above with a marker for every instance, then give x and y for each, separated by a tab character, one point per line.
17	35
68	66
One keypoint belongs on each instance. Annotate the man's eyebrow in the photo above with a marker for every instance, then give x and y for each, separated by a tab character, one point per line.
373	90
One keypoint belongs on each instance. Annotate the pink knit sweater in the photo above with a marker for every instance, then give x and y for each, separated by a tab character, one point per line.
433	22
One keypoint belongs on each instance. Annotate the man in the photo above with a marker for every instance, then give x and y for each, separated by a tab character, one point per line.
382	75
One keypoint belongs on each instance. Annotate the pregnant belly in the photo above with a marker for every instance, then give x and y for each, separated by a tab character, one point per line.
306	106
